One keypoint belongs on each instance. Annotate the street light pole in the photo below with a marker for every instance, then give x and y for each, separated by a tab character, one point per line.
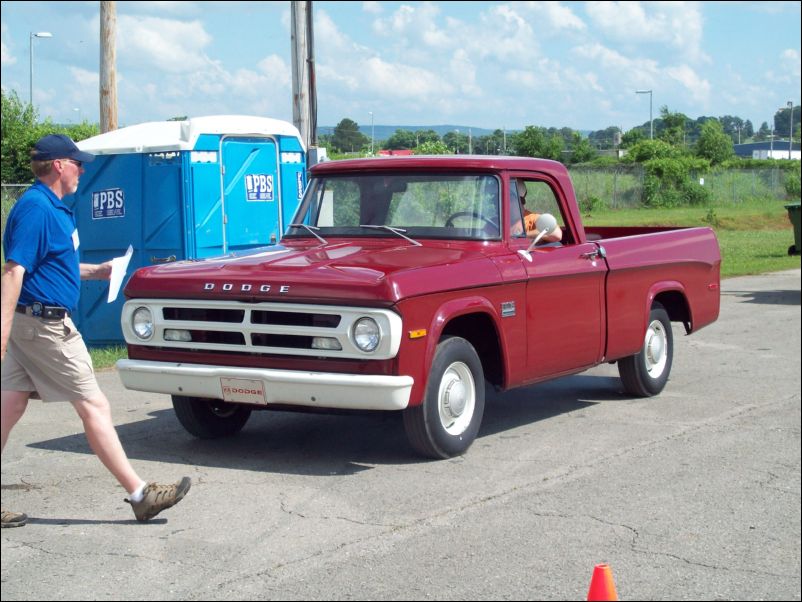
771	144
791	133
651	122
40	34
371	133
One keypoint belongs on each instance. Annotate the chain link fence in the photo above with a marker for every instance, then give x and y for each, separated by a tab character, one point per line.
616	187
621	187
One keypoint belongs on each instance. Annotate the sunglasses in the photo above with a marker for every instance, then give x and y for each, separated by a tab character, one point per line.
75	162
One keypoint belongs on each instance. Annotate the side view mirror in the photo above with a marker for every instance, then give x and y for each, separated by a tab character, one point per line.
545	224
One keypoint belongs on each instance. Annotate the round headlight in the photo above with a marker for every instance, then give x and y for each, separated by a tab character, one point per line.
367	334
142	323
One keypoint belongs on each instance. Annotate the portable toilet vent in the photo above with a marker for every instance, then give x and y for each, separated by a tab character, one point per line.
177	190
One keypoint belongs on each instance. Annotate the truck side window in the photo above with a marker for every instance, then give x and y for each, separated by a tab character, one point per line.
516	211
540	197
528	200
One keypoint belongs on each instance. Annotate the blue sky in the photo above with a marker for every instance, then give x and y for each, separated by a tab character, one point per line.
483	64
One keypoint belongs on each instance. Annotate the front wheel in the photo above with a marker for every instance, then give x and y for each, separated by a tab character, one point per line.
210	418
447	422
646	373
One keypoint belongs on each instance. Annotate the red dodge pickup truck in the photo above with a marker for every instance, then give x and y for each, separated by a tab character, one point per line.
408	284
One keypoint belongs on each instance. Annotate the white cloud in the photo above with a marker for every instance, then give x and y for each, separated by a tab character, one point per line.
634	73
790	61
787	72
164	44
678	24
698	87
415	25
556	15
372	7
504	34
6	57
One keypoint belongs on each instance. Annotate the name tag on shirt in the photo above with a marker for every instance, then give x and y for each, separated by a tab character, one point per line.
75	241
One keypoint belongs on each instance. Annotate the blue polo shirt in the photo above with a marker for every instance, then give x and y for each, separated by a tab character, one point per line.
39	237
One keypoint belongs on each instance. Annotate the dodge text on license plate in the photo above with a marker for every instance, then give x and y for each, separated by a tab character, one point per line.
240	390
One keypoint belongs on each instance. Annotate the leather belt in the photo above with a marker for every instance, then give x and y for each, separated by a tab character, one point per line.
46	312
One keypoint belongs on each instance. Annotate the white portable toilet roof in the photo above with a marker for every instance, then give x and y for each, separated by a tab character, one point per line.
161	136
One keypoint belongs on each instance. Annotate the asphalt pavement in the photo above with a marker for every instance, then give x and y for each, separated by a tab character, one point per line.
691	495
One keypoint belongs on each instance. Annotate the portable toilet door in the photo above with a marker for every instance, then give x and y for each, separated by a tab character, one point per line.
243	210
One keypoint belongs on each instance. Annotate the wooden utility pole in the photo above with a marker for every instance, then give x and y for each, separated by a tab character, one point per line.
108	68
304	96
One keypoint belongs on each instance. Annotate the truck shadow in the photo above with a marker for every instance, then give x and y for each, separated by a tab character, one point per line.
785	297
332	444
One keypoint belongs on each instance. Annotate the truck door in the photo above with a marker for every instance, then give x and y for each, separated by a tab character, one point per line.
564	291
251	192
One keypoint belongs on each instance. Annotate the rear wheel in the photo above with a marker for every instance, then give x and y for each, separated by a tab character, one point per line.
646	373
210	418
448	420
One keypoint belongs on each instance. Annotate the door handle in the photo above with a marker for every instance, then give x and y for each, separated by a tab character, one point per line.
597	253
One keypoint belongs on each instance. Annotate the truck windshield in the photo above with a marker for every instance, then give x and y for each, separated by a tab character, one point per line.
450	206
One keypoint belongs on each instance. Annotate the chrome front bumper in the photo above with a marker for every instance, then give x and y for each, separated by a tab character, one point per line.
314	389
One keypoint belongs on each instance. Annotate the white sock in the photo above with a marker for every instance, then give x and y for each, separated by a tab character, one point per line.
138	493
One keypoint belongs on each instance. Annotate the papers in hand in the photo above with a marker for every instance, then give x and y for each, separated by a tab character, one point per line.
119	265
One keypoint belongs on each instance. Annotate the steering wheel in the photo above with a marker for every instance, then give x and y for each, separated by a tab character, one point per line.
488	221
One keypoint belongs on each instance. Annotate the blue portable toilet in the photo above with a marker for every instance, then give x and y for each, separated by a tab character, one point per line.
179	190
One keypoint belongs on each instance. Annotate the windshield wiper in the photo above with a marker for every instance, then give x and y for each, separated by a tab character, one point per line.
398	231
311	230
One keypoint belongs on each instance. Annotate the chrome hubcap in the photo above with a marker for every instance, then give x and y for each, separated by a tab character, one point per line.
656	349
456	398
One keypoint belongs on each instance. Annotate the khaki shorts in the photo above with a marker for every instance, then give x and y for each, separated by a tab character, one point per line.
48	357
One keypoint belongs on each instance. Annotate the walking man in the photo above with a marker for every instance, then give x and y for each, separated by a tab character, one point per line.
43	353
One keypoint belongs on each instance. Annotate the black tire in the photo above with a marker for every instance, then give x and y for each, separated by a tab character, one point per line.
646	373
210	418
447	422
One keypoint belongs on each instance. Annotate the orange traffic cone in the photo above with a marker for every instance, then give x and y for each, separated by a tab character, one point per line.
602	586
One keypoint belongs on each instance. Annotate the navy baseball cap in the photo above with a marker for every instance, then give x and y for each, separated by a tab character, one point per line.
59	146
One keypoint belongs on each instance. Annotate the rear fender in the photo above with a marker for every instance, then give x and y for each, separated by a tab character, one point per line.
672	295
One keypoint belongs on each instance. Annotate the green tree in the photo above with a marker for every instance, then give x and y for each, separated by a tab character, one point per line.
401	139
581	149
432	147
782	123
492	144
672	127
456	141
632	137
713	144
764	132
535	142
646	150
605	138
347	137
20	131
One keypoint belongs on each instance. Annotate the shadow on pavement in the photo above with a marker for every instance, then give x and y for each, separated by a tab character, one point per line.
788	297
333	444
67	522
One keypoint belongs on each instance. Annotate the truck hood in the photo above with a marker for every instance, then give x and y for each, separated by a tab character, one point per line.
351	272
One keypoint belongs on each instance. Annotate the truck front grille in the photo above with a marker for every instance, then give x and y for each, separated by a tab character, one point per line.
262	328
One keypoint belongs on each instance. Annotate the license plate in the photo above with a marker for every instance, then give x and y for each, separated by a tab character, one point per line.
240	390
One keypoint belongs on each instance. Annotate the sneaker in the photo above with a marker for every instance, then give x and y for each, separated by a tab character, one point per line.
13	519
159	497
